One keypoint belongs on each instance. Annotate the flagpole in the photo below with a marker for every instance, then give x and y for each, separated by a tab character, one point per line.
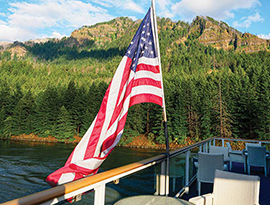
163	99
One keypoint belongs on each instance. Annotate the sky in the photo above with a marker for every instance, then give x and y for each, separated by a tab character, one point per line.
23	20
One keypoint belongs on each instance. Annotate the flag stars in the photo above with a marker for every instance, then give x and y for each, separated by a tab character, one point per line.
151	52
131	42
150	43
143	32
128	52
148	34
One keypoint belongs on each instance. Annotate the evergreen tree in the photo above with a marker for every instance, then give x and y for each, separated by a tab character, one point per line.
64	127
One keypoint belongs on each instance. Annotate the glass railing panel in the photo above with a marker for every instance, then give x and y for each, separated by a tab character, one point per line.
193	159
177	173
140	183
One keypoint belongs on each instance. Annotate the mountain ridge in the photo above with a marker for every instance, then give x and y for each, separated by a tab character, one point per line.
204	29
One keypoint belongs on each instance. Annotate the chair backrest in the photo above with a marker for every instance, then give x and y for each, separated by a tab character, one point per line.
221	150
207	164
229	146
253	144
256	156
235	189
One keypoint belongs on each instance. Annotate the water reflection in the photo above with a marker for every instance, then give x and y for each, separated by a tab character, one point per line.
25	165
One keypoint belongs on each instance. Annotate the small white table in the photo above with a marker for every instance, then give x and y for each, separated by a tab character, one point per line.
152	200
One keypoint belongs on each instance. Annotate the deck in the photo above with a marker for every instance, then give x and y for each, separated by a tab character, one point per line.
237	168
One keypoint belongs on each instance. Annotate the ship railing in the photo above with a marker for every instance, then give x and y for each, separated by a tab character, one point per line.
184	157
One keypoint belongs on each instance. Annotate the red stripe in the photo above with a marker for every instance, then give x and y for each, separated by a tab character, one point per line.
146	81
110	140
119	105
95	136
143	98
142	67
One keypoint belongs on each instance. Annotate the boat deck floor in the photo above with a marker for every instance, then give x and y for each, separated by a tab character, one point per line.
264	198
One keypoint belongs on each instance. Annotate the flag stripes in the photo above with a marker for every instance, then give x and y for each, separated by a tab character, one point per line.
137	79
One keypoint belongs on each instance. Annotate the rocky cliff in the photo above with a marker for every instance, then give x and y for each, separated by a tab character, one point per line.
221	36
119	32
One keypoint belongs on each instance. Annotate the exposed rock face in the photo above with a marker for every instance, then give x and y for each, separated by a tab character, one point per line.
206	30
19	51
103	32
219	35
4	45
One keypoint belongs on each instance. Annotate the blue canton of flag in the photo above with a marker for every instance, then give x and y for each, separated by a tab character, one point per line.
142	44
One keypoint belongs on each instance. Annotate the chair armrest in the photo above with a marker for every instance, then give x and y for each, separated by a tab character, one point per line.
225	167
245	153
206	199
267	154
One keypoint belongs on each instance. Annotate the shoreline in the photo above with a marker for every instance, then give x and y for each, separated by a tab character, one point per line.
140	142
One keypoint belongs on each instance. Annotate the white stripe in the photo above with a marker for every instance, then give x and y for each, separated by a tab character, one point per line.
131	76
122	113
114	126
118	137
147	74
81	147
91	163
66	177
146	89
148	61
111	103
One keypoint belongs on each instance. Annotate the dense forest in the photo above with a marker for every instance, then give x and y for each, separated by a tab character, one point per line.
56	88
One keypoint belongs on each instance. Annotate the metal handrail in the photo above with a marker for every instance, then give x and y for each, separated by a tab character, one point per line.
61	190
98	181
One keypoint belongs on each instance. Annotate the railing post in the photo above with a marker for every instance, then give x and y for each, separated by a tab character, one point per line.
157	184
167	177
214	142
100	195
162	183
200	148
222	142
187	169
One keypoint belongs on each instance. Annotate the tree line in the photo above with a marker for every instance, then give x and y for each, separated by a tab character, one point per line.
208	92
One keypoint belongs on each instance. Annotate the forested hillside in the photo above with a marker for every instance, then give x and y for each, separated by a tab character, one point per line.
216	82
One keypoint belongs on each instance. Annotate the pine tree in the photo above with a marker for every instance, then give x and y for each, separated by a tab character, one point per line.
64	127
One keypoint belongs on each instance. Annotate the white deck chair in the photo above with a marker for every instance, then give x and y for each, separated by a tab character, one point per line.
235	156
231	188
221	150
256	156
246	150
207	164
253	144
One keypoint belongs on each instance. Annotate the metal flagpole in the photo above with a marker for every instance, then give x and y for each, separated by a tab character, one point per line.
163	99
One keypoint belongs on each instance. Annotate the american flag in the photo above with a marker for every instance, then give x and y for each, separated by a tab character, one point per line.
137	79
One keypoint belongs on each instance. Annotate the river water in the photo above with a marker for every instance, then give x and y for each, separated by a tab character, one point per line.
25	165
